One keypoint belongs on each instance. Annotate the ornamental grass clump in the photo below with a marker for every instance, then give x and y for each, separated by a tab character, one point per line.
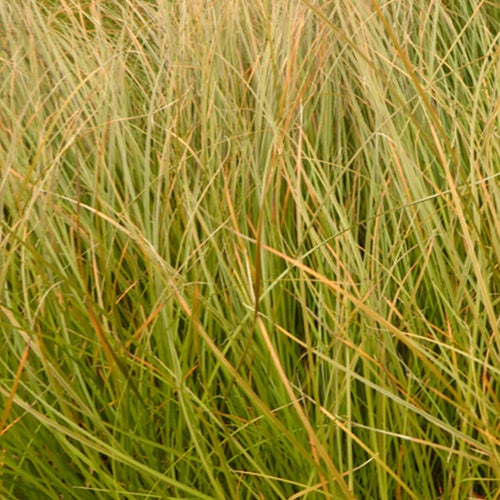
249	249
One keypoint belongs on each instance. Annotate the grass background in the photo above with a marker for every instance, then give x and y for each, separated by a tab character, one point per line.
249	249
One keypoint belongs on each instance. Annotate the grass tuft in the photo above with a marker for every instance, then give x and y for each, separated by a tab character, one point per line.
249	249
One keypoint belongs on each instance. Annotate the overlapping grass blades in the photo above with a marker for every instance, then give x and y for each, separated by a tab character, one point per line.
249	249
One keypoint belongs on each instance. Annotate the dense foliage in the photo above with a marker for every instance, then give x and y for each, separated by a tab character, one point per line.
249	249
